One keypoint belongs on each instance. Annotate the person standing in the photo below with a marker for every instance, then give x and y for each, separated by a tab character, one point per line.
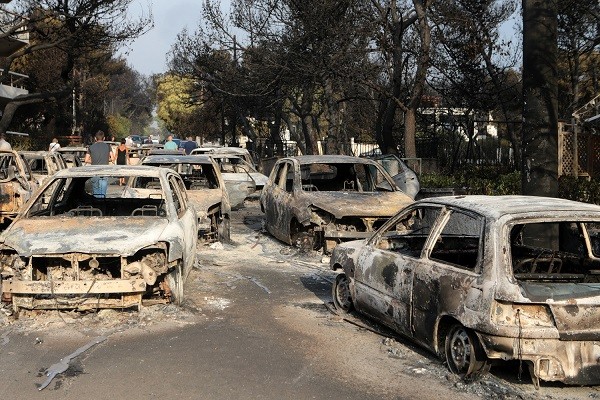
4	145
170	144
189	145
54	146
99	154
122	157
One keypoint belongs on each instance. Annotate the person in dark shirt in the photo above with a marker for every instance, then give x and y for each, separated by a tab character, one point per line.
189	145
99	154
122	158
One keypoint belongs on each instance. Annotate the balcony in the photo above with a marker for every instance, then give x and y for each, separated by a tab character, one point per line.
13	87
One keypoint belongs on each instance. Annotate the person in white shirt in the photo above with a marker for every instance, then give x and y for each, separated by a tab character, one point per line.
4	145
54	145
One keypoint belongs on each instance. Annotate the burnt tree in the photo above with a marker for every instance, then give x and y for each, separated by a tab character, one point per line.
540	110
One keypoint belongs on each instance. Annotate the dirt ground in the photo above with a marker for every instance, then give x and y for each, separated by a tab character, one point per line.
265	297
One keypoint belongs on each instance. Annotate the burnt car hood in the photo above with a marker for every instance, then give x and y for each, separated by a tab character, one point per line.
359	204
123	235
205	198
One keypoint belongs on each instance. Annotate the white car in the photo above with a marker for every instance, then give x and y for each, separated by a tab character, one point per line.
75	248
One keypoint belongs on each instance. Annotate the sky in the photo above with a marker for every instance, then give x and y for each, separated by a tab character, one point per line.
148	53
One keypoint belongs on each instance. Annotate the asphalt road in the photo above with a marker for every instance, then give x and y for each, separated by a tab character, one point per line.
254	326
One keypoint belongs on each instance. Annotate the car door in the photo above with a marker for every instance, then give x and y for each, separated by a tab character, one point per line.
385	267
278	201
187	221
449	282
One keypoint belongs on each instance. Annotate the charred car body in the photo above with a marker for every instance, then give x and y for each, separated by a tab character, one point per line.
323	200
73	155
43	164
206	190
238	181
234	164
73	248
479	278
17	184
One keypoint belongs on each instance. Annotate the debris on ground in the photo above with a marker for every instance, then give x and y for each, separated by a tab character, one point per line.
63	364
216	246
257	283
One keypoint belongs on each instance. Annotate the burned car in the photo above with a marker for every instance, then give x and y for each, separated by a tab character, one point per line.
74	155
74	247
206	190
43	164
319	201
406	179
17	184
234	164
477	278
238	181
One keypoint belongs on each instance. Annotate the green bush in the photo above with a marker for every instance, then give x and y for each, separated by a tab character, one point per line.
572	188
493	182
481	180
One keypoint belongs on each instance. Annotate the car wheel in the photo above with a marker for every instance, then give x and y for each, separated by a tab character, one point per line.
462	353
340	291
175	282
225	230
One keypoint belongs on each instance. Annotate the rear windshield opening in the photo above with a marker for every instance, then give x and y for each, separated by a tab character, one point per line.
556	252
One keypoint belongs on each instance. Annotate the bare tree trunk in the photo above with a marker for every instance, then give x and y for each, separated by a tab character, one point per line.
410	150
333	120
410	126
540	109
275	129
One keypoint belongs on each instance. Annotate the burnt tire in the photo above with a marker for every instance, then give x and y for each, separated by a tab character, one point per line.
464	355
340	292
175	282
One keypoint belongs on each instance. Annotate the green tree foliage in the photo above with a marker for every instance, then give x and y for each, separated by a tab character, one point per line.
175	106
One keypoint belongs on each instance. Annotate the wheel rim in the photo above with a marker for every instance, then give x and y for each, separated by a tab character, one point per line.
342	293
460	350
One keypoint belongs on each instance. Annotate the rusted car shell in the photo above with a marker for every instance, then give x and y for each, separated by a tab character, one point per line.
74	152
16	184
332	215
259	179
234	151
165	243
239	182
556	329
47	163
212	204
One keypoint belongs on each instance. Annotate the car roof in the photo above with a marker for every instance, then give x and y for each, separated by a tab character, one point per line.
496	207
113	171
332	159
177	159
72	148
35	153
233	150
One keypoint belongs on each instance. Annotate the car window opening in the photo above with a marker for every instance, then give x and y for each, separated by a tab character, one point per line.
556	252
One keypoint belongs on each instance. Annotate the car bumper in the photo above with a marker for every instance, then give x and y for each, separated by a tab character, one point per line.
570	362
82	294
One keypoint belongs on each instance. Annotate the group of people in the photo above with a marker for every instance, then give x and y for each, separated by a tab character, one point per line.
187	145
